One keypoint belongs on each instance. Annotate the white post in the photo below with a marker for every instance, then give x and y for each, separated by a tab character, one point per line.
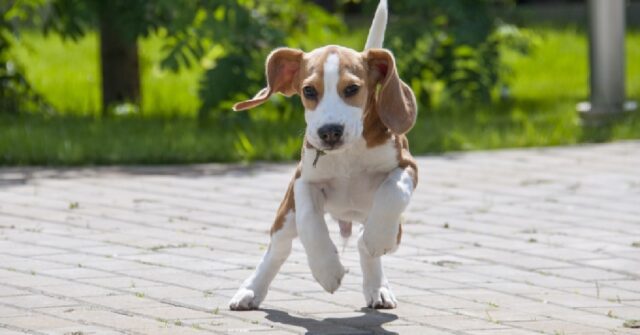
607	60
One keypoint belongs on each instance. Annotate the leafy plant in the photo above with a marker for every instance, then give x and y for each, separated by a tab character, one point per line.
452	47
232	39
15	92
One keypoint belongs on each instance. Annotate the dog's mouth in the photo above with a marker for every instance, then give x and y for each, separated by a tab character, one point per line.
333	147
324	150
324	147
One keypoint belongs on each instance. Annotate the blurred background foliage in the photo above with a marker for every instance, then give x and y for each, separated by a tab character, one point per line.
487	74
16	93
447	45
454	47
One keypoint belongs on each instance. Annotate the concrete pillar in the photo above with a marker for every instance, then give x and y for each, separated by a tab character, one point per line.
607	59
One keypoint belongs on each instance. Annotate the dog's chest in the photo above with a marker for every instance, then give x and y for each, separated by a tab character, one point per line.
349	179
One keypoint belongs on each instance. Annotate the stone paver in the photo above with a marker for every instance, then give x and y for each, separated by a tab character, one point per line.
499	242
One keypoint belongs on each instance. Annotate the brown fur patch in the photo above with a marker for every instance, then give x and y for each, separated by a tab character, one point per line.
287	204
282	68
374	131
405	160
399	237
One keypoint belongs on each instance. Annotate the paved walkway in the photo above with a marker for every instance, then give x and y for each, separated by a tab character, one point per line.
505	242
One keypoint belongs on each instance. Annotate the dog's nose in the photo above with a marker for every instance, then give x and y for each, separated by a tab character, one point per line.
331	134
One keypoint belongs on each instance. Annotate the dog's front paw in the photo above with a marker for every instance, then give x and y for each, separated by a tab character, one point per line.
377	244
380	298
244	300
328	272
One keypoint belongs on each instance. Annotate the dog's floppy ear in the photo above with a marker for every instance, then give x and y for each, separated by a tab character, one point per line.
395	103
282	68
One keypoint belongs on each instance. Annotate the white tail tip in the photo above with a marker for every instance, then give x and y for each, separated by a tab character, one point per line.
378	27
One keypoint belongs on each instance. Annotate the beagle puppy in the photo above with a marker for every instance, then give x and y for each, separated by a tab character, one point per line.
355	163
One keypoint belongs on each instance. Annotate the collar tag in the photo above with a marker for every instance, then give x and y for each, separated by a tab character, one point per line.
319	153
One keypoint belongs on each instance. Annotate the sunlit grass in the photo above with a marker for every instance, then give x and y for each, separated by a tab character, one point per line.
65	72
556	68
72	140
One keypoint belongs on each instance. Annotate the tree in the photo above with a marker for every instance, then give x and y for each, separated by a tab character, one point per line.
120	66
328	5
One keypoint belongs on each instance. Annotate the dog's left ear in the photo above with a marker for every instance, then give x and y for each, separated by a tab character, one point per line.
395	103
282	68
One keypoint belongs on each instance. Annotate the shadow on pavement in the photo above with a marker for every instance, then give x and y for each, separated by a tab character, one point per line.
370	322
17	176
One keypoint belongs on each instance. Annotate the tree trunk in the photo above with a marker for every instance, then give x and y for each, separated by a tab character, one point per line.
328	5
119	62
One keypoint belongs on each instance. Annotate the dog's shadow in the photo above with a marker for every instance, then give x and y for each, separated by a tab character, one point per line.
371	321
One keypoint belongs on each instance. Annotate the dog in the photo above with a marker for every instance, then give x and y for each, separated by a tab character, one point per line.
355	162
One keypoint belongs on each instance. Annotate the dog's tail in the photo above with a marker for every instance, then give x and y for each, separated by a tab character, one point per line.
378	27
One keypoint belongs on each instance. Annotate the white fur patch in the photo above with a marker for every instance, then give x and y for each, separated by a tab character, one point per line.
331	72
350	178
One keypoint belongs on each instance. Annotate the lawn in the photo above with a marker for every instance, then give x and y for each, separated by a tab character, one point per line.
540	111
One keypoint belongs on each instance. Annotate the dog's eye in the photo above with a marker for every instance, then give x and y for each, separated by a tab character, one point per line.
310	92
351	90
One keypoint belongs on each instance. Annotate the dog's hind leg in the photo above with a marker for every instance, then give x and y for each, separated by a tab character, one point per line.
254	289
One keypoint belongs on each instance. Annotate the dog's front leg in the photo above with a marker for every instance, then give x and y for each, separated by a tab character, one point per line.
322	254
381	235
375	286
382	227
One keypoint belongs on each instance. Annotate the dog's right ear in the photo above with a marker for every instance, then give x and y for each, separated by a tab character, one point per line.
396	103
282	69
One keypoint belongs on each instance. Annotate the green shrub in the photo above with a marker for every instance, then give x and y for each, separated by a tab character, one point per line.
240	38
15	92
451	49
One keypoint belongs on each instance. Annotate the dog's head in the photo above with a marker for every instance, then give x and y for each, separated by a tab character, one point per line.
338	86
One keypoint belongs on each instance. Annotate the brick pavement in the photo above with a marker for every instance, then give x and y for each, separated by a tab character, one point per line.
503	242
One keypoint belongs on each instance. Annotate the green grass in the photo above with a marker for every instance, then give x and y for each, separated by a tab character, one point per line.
73	140
545	87
72	85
